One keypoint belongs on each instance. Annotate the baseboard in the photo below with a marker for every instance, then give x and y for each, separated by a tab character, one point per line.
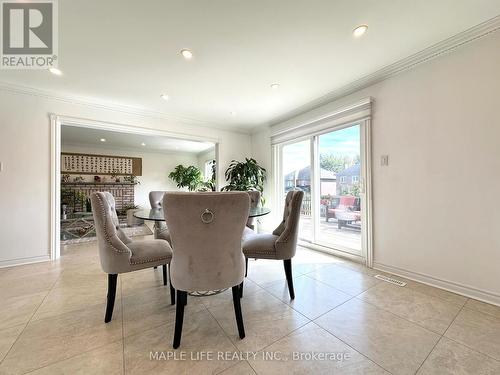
464	290
21	261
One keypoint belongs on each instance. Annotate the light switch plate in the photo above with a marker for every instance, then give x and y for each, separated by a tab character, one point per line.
384	160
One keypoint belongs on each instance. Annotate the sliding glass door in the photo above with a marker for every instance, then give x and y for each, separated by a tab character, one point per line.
330	168
339	216
296	169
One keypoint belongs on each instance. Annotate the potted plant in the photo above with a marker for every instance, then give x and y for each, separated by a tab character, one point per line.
131	179
244	176
187	177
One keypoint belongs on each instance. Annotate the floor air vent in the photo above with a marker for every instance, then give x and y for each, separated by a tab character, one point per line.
390	280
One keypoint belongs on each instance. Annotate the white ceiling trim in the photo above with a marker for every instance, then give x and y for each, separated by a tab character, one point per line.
126	109
443	47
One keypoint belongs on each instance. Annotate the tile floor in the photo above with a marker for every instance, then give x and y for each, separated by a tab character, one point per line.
51	322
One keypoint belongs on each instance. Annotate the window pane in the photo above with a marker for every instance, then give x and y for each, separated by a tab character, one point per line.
297	175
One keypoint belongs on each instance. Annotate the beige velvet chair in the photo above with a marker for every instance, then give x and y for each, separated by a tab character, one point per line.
118	253
160	228
206	231
254	202
282	243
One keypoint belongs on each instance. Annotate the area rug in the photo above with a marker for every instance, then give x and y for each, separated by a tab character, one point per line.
139	230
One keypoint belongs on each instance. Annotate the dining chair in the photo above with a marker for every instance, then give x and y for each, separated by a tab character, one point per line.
206	231
282	243
254	202
118	253
160	228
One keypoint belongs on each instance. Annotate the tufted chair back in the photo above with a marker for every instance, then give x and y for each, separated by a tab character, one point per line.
288	229
156	201
112	241
206	231
254	202
156	198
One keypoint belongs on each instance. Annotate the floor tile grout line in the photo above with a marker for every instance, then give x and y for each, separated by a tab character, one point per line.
460	343
73	356
438	341
352	347
482	312
64	359
342	264
401	317
334	287
222	329
350	299
29	320
471	348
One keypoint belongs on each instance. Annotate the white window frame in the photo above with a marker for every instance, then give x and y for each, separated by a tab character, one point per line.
359	113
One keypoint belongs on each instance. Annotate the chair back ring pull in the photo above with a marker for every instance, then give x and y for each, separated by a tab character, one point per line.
207	216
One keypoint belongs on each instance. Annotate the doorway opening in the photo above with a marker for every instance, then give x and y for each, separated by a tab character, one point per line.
126	161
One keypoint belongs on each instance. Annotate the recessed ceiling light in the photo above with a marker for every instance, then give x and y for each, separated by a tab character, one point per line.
187	54
275	86
143	144
103	139
164	96
55	71
360	30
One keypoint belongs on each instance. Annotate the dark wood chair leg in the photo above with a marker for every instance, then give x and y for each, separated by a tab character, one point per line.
164	274
288	272
112	278
241	289
246	266
237	311
172	290
179	317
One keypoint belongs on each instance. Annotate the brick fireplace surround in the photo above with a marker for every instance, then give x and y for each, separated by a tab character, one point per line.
123	193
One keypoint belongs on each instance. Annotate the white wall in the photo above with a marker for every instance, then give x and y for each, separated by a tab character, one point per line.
155	168
25	154
436	206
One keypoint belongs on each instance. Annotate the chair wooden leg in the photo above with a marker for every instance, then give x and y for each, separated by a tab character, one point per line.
179	317
288	272
112	278
246	266
164	274
237	311
172	290
241	289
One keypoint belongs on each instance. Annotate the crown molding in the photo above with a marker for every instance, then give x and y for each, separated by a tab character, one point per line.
114	107
446	46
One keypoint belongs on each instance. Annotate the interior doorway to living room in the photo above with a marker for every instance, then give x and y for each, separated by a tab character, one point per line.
128	166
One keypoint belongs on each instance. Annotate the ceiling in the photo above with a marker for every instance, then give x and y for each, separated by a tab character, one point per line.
80	136
127	52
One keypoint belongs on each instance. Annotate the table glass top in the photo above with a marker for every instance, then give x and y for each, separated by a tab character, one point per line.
156	214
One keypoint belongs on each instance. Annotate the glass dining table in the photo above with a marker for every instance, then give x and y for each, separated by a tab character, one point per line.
156	214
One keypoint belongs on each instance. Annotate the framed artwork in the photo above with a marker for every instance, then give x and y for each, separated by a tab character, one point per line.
73	163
